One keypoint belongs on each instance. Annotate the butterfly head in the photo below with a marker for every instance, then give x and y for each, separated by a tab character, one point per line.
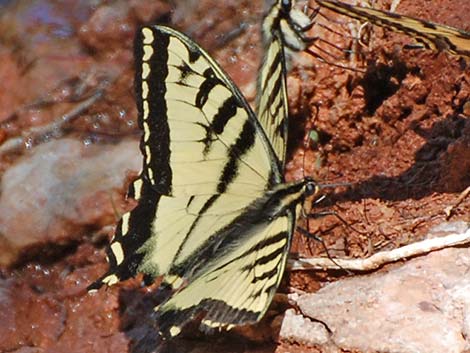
286	6
311	187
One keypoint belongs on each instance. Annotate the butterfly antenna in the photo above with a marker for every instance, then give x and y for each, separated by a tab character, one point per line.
333	185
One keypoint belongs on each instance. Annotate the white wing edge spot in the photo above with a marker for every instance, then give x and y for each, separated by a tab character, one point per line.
110	280
148	52
125	224
118	252
137	189
145	89
175	331
145	70
148	35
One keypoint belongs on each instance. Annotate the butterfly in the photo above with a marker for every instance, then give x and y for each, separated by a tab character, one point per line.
214	216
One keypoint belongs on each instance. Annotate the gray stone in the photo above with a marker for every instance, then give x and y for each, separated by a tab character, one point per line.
53	194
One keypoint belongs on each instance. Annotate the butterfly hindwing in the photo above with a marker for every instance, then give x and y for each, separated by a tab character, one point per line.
234	287
233	276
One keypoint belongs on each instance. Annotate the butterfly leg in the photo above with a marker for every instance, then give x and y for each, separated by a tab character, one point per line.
310	235
311	40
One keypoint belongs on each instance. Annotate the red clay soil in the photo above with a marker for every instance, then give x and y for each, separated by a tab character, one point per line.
398	133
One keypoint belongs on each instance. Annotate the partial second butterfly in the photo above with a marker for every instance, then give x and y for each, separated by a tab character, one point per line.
214	216
431	35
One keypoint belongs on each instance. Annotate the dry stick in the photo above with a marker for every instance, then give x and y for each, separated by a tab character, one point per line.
55	128
377	260
450	209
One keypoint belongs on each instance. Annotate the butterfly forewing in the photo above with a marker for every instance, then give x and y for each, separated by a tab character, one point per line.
283	29
272	99
212	134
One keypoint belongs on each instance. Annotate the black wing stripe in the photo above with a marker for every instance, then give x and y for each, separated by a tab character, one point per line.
268	274
269	289
263	244
243	144
269	76
226	111
152	107
206	87
270	257
274	64
274	94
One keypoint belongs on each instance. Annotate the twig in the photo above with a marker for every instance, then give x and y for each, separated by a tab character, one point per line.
394	5
450	209
377	260
54	129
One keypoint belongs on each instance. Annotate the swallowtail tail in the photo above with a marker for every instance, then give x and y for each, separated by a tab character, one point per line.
214	215
431	35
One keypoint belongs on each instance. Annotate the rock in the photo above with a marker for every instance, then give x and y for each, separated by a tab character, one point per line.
111	27
9	74
62	188
40	55
422	306
299	329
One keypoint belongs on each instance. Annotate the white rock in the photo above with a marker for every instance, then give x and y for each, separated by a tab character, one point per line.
422	306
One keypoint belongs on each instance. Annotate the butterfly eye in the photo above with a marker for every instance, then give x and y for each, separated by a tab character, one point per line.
310	188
